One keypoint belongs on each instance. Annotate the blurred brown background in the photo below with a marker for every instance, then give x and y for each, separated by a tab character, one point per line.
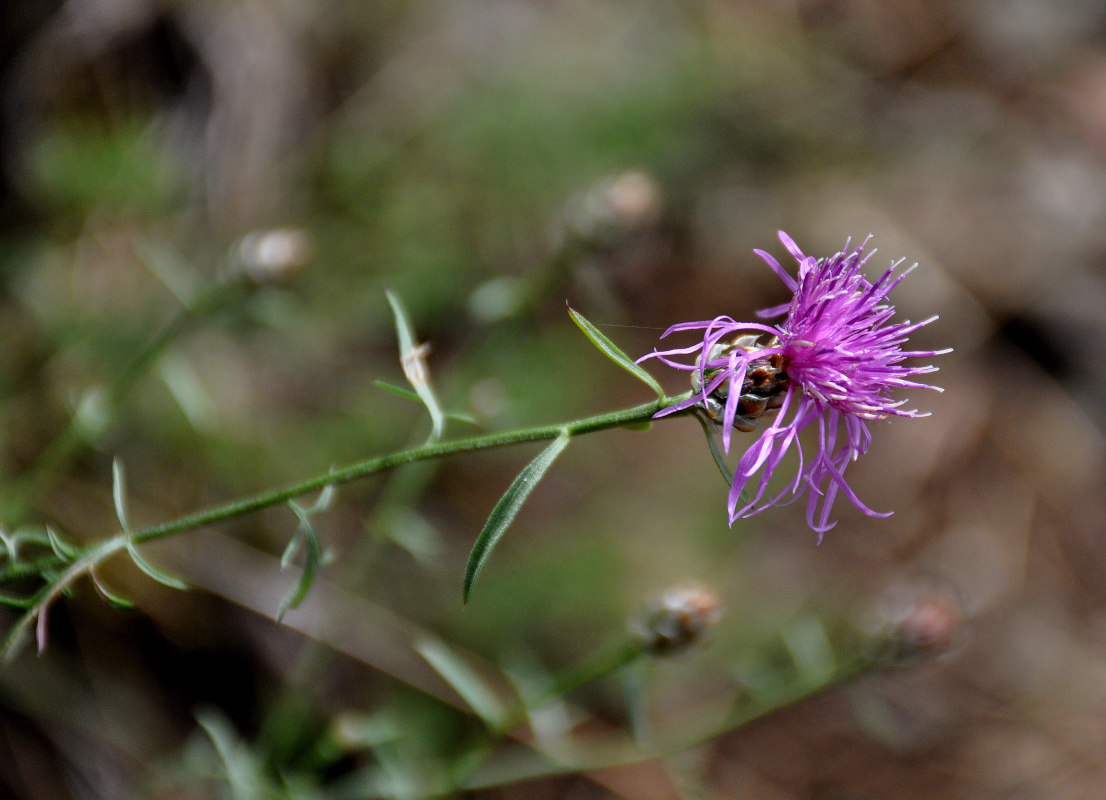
488	161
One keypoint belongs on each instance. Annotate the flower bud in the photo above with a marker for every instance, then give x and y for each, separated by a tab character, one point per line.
626	202
762	389
915	621
676	620
270	256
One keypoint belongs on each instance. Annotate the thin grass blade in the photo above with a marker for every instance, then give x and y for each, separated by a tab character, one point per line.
473	688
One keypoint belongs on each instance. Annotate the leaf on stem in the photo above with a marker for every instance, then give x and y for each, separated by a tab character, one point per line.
614	352
11	601
391	387
62	549
115	599
322	502
508	507
119	493
412	357
305	535
15	545
159	575
408	394
40	628
11	551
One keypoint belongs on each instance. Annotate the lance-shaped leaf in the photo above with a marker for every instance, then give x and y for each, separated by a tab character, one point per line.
508	507
614	352
412	357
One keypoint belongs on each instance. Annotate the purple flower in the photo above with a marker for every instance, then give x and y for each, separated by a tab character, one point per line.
831	363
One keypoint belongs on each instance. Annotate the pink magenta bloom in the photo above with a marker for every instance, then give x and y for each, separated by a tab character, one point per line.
832	363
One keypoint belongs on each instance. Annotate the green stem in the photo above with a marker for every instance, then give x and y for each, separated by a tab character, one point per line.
598	666
630	416
613	419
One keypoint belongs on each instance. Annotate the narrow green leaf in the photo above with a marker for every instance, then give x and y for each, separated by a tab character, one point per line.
115	599
391	387
473	688
322	503
158	575
22	603
291	550
305	536
468	419
119	492
10	547
411	358
62	549
507	508
311	563
614	352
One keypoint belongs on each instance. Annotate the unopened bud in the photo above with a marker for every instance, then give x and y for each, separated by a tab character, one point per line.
916	621
763	389
273	255
627	201
676	620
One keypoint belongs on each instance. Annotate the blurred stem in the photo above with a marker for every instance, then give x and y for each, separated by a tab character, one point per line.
598	666
601	664
599	753
21	495
89	557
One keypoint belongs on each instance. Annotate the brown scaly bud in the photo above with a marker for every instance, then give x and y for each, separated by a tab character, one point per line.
914	621
676	620
764	385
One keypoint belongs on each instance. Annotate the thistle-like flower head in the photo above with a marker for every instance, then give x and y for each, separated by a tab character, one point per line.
832	362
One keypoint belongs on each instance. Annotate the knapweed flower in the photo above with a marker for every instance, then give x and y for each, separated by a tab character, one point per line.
831	363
